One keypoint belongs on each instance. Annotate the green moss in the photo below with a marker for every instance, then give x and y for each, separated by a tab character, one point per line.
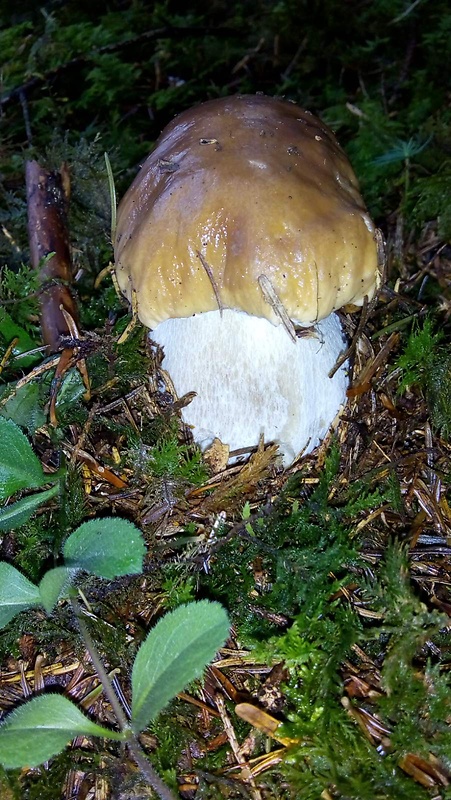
177	590
19	293
331	750
132	360
426	363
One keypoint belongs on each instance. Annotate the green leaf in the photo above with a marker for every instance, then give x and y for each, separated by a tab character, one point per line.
24	407
19	467
9	330
16	593
16	514
175	652
54	584
41	728
107	547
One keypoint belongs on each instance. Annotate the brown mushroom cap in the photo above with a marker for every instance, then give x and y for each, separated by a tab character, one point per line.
236	189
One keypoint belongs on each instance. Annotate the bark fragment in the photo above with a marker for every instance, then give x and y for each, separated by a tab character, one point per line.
47	200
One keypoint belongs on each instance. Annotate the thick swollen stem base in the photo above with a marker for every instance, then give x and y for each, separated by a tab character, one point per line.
252	380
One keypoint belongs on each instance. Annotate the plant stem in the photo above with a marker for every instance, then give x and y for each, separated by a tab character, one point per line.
147	769
137	752
99	667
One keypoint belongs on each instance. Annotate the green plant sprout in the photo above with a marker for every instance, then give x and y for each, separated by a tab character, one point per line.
174	653
403	151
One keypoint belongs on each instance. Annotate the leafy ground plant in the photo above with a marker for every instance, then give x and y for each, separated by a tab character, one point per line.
174	653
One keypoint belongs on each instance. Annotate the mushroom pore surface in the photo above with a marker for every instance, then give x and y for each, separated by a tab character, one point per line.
245	220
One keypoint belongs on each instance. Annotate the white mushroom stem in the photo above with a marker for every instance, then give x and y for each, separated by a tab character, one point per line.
252	380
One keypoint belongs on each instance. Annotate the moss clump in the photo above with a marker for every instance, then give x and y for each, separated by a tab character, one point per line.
426	362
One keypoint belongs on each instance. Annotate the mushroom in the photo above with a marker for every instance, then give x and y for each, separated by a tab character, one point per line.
243	229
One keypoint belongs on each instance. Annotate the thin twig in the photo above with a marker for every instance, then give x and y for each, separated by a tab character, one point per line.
287	72
26	117
405	13
209	272
246	772
113	201
364	314
272	298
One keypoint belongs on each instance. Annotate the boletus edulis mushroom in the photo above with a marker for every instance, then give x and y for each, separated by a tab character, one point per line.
241	235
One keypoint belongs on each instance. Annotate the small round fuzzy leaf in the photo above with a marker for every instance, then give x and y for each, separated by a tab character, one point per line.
107	547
